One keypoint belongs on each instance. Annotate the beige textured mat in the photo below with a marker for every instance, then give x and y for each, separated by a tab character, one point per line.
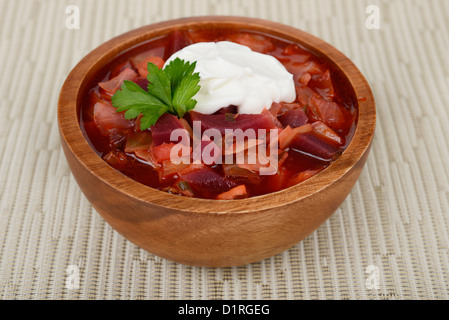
389	239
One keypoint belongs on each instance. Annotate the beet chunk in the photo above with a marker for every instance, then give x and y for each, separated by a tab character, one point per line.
293	118
311	144
207	182
163	128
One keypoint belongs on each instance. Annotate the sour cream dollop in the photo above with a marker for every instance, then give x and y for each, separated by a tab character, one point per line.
233	74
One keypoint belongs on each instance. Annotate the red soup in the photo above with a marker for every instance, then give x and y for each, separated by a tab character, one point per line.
311	132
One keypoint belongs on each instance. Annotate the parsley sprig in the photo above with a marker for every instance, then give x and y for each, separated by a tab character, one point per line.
170	90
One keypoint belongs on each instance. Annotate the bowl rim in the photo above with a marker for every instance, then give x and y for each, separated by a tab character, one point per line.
71	133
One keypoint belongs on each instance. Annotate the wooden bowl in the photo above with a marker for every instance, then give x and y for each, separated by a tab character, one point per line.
211	232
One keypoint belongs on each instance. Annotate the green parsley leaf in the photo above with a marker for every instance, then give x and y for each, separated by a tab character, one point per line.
160	84
132	98
170	90
182	97
178	70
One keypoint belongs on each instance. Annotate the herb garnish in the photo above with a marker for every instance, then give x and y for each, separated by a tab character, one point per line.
170	90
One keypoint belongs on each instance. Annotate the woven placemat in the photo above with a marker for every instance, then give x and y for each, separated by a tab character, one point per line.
388	240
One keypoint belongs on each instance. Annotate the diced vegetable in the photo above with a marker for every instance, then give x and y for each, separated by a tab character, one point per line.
147	155
298	69
154	51
162	152
116	138
277	124
238	192
119	68
116	159
164	127
207	181
142	67
139	141
304	93
288	134
108	120
311	144
312	67
321	130
323	84
236	171
169	168
112	85
293	118
275	108
328	112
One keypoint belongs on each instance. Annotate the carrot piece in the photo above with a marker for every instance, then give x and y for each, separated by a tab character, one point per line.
238	192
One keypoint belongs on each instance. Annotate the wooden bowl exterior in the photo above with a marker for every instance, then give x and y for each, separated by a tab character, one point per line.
210	232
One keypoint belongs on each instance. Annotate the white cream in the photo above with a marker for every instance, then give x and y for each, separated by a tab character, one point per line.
233	74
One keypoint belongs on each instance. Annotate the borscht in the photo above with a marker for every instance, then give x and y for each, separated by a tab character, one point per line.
219	113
